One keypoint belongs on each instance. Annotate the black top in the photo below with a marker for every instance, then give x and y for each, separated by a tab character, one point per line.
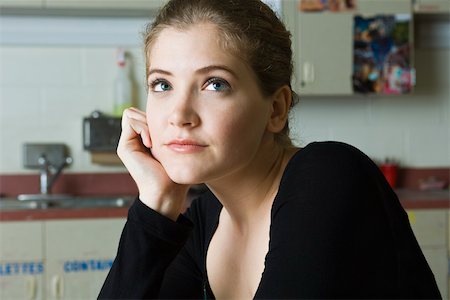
337	231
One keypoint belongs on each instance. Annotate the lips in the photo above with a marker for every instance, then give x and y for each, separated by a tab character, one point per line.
186	146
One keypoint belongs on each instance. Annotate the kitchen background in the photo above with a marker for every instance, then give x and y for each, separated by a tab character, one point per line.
57	70
58	65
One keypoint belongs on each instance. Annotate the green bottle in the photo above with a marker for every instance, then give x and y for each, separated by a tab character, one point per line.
123	86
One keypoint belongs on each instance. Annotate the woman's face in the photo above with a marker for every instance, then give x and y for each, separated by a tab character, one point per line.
206	114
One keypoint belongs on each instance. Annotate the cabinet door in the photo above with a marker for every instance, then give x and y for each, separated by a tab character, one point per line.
21	3
21	260
437	260
430	227
373	7
322	48
79	255
432	6
107	4
323	44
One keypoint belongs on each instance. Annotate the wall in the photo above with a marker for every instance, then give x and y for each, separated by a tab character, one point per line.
46	90
413	129
55	71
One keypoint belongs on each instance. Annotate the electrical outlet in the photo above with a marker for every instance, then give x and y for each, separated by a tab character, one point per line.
55	153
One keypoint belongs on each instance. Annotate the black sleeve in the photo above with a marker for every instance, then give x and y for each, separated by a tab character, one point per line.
148	244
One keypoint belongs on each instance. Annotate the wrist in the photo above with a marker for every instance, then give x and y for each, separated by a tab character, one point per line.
169	204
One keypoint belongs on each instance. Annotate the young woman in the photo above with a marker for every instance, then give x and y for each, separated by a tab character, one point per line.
277	221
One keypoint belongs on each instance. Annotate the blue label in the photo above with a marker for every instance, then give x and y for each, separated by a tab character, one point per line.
21	268
90	265
71	266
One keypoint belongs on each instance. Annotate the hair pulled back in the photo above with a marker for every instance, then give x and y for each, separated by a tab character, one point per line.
248	28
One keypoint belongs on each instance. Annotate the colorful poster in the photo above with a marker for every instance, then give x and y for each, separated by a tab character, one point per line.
327	5
381	54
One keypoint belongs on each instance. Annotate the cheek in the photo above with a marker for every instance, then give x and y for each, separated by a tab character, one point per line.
239	129
153	126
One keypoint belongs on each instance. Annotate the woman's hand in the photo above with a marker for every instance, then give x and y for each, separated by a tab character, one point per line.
155	187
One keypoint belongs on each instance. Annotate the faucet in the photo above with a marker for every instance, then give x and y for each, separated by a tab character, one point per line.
49	173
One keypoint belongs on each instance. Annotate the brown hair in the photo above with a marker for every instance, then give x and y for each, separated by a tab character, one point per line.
249	28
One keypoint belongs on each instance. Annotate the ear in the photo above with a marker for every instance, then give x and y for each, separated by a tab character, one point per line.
281	103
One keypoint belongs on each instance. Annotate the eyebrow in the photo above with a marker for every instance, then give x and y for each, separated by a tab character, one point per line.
158	71
216	67
201	70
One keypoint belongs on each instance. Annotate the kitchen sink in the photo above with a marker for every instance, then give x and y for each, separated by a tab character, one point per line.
38	201
14	204
44	197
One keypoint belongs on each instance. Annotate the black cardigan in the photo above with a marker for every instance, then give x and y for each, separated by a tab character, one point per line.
337	231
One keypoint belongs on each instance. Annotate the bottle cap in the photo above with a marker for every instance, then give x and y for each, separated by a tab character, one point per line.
121	57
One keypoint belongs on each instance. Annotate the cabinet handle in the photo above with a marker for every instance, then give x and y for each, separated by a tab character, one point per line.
31	288
308	72
57	287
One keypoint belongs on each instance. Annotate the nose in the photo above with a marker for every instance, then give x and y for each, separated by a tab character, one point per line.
183	113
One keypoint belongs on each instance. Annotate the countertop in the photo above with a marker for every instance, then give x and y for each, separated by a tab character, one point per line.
414	199
410	199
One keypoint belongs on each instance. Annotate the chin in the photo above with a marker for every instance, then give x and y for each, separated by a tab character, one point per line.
183	175
182	179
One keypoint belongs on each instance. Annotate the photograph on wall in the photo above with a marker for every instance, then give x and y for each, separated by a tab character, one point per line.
327	5
382	54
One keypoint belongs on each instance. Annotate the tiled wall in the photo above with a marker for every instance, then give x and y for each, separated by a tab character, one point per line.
45	92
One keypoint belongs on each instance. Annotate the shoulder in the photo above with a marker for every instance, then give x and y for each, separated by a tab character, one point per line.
325	175
325	183
331	152
327	160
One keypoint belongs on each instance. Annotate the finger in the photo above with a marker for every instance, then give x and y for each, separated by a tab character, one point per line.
136	114
134	123
145	136
138	121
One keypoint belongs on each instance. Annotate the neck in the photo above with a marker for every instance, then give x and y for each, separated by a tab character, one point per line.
249	194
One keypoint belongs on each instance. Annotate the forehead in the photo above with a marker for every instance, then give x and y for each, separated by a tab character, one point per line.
199	43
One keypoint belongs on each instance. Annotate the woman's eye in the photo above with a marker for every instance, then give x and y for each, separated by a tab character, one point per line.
160	86
217	84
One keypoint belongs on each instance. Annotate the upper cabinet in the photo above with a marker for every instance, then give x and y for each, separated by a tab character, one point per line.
85	4
333	56
432	6
22	3
107	4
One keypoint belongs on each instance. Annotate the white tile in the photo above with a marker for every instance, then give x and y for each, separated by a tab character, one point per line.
58	102
357	136
35	66
421	109
378	143
305	133
329	112
12	138
19	102
429	146
99	66
305	137
100	70
10	153
137	60
387	143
